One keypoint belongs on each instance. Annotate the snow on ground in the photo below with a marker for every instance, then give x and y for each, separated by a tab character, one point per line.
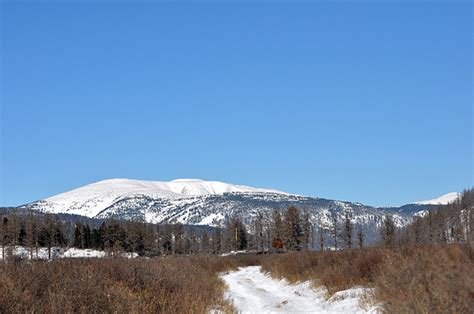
73	252
56	252
252	291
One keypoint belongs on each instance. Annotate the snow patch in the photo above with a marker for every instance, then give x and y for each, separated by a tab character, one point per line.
57	252
252	291
442	200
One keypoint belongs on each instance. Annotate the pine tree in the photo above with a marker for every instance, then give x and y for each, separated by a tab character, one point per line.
360	238
347	230
87	237
47	232
217	241
167	238
22	234
179	247
77	237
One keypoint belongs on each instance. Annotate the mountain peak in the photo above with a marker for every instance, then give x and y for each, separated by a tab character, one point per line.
91	199
187	180
442	200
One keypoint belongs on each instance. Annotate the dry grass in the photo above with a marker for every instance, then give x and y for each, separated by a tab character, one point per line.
334	270
170	284
413	279
427	279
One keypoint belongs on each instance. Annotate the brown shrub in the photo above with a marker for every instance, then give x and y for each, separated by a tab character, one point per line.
169	284
421	279
335	270
427	279
411	279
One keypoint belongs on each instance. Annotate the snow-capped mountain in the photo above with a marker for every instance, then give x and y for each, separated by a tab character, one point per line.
442	200
198	202
92	199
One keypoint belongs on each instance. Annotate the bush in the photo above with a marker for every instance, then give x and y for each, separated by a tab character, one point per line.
428	279
335	270
170	284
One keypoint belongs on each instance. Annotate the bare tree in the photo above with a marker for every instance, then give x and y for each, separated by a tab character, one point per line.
306	225
334	228
293	230
388	231
236	234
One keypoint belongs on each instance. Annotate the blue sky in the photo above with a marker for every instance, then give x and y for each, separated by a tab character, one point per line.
362	102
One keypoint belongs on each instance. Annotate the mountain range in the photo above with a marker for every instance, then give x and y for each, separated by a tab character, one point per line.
211	203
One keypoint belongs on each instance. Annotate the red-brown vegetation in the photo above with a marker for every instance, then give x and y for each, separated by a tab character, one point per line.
409	279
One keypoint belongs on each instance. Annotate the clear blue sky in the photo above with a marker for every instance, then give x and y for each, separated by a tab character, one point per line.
362	102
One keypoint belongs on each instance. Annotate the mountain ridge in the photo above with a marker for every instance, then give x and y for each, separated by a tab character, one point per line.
441	200
91	199
211	203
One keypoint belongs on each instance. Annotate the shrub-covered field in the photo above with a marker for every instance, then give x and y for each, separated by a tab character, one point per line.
428	278
409	279
168	284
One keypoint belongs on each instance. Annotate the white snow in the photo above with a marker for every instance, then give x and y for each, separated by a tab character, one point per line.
211	219
252	291
442	200
91	199
57	252
73	252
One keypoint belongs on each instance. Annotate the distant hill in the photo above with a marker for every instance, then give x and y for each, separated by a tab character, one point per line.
208	203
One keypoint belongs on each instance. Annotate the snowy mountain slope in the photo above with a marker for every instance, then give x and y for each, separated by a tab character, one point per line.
215	210
92	199
210	203
442	200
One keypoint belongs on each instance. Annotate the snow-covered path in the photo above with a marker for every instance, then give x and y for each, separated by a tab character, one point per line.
253	291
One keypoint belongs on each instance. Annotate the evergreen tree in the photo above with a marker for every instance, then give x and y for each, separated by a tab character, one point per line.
217	241
77	236
22	235
360	237
347	230
87	236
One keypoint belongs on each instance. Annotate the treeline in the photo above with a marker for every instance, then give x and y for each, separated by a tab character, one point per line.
450	223
290	230
33	232
30	231
287	231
